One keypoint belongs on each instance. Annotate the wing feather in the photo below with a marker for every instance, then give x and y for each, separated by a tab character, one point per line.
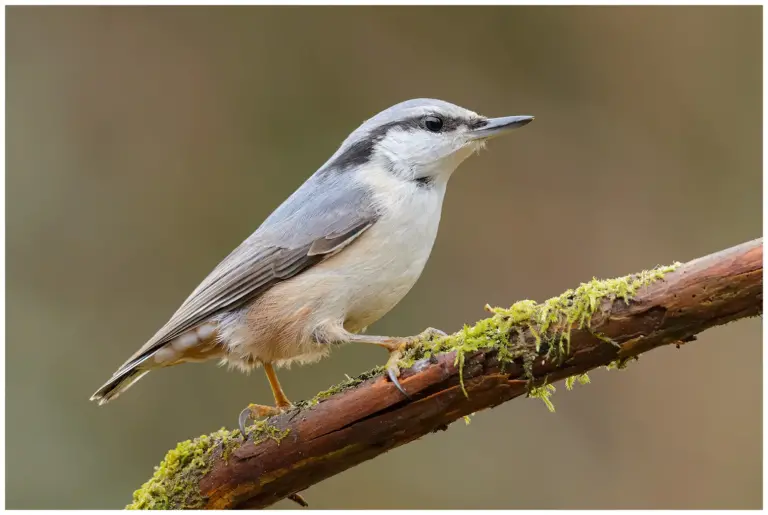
302	232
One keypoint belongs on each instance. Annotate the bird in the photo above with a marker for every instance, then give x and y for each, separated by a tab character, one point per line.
331	260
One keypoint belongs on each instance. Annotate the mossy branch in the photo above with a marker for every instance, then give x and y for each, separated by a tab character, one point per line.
517	352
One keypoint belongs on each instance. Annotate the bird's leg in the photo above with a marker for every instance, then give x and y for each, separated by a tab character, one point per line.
396	345
281	401
282	404
255	411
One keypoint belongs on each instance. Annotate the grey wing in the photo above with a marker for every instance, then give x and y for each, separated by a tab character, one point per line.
316	222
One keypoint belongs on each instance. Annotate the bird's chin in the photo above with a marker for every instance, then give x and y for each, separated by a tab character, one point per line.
478	145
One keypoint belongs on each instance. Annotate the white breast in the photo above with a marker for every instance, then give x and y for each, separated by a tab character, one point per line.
375	272
352	289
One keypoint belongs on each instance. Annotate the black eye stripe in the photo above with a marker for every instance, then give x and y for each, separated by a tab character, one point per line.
449	123
453	123
360	151
476	123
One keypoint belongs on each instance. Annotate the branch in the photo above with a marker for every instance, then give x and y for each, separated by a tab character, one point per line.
509	355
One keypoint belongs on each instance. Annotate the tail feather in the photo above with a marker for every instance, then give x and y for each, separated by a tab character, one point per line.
201	347
121	381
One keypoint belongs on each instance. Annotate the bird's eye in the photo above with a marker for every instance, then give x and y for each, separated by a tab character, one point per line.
433	123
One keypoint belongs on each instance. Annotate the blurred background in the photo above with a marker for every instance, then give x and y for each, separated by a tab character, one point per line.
143	144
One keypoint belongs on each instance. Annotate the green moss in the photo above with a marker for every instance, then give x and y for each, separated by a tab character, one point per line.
522	330
262	430
351	382
581	378
543	392
557	316
621	363
176	480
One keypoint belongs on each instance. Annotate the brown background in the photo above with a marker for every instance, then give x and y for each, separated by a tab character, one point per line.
145	143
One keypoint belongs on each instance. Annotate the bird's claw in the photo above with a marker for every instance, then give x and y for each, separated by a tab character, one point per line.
254	412
245	415
396	354
393	371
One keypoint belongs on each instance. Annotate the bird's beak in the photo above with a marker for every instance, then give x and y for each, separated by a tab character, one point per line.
498	126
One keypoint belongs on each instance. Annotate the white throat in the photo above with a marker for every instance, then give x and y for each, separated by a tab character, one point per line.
413	155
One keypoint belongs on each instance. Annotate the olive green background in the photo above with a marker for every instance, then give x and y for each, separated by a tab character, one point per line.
143	144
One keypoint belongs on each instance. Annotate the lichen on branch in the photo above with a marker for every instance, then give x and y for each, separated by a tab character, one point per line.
175	481
549	324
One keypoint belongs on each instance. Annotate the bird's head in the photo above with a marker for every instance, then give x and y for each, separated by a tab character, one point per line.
421	140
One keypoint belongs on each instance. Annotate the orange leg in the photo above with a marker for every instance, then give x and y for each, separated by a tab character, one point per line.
255	411
281	401
282	404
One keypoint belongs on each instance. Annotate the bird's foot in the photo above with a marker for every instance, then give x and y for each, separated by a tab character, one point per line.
397	349
256	411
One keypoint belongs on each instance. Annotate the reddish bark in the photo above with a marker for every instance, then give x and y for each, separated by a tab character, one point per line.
361	423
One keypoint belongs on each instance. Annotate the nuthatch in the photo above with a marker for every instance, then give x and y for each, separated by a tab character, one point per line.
335	257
